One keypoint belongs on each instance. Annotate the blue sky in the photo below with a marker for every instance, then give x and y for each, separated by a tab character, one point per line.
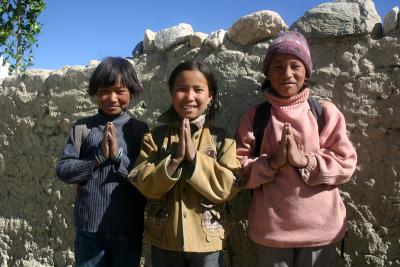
76	31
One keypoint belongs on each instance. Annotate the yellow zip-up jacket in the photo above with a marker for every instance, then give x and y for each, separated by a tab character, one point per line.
186	212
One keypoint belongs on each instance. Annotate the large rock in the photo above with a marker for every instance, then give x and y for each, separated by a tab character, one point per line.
173	36
215	39
148	41
197	39
138	50
391	21
340	18
256	27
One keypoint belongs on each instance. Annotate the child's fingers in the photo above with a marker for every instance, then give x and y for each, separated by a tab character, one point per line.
182	130
113	133
180	152
289	130
285	130
188	130
105	134
291	143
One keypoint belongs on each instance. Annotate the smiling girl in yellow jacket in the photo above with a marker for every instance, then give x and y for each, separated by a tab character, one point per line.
187	170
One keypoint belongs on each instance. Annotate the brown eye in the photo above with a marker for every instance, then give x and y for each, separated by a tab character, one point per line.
101	92
180	88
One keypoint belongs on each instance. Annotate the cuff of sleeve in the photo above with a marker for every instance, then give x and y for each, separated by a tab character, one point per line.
261	166
261	172
118	157
119	168
308	169
177	174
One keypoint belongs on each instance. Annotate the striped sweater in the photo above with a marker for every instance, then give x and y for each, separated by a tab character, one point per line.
106	202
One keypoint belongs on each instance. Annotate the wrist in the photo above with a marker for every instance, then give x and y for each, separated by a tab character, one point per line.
172	165
175	161
99	156
305	161
118	156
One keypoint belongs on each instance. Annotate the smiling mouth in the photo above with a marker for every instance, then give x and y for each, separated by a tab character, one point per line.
189	108
287	83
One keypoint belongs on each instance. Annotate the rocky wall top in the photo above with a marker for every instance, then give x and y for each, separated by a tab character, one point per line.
356	65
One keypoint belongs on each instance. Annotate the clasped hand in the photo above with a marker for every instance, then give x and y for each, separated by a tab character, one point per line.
109	144
185	149
290	151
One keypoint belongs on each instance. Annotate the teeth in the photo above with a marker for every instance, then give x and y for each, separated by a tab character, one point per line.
189	107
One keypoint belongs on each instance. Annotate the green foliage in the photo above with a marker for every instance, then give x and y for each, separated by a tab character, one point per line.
19	28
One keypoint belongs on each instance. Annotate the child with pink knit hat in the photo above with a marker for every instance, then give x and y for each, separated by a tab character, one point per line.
296	215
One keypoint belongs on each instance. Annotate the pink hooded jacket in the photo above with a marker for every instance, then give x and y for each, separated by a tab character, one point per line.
297	207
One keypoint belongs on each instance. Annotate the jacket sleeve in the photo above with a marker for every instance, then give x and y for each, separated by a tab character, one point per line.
150	175
255	170
215	180
72	169
335	162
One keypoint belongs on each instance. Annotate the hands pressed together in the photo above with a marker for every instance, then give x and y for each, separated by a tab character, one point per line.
109	145
185	150
290	151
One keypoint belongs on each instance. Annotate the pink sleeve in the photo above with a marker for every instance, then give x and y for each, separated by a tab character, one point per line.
335	162
255	170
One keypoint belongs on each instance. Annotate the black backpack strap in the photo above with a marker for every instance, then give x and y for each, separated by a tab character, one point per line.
317	111
342	245
261	119
263	114
158	133
81	130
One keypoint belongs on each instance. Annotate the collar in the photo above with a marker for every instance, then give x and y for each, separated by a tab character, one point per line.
170	117
106	118
292	102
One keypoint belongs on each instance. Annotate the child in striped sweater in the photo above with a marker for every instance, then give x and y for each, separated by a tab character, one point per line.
108	209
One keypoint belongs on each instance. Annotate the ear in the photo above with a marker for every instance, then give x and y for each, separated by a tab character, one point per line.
210	96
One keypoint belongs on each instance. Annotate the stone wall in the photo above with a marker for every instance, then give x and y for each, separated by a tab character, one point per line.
356	66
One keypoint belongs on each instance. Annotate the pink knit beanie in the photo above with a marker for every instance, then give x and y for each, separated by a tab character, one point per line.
292	43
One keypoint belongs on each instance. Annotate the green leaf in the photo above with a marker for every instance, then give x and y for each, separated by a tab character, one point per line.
19	29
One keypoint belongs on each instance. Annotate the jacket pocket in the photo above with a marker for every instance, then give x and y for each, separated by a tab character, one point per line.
157	211
156	217
212	220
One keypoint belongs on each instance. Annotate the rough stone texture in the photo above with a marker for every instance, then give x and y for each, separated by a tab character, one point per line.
391	21
170	37
256	27
215	39
340	18
148	41
361	75
197	39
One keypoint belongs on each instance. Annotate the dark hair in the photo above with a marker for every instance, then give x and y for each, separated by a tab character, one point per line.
211	82
111	70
